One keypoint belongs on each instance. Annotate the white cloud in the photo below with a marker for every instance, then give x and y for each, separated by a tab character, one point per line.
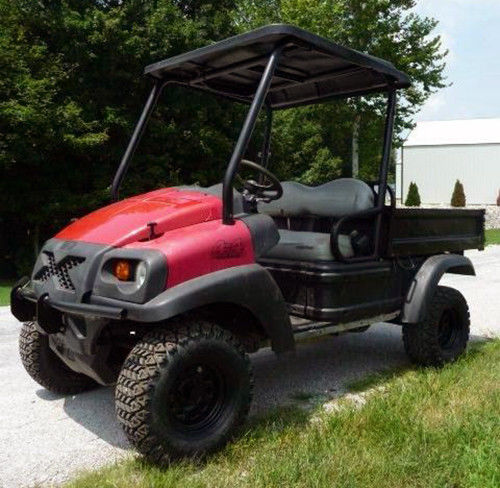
469	30
433	107
447	43
449	17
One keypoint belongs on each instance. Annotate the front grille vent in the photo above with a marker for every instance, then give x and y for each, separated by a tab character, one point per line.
59	270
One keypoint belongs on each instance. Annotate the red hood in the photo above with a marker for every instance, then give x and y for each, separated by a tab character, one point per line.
126	221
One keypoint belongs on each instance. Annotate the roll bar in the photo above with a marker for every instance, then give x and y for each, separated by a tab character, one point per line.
136	137
244	137
382	190
240	147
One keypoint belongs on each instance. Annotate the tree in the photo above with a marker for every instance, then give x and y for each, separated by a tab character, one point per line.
413	197
458	196
385	28
40	128
71	90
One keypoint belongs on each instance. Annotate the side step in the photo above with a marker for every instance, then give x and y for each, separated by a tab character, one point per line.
304	329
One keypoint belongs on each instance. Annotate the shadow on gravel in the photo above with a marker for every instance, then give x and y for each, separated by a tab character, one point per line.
95	411
321	370
317	372
47	395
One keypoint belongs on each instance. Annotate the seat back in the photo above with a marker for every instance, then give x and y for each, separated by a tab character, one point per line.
333	199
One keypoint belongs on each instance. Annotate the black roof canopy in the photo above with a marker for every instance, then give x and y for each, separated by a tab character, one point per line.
310	69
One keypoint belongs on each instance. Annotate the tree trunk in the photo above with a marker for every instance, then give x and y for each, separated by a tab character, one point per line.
355	146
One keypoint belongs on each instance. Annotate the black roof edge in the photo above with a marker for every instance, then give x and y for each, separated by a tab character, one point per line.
395	78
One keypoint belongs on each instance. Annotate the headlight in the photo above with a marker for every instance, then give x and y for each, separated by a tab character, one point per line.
141	271
122	269
127	270
133	275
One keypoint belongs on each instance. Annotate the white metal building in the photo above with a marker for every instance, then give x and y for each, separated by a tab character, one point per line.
436	154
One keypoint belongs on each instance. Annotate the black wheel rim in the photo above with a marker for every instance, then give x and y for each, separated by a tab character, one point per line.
449	329
197	398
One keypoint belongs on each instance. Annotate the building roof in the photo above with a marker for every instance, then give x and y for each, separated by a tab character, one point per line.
311	68
455	132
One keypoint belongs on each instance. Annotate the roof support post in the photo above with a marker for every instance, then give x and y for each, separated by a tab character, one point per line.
384	166
266	145
377	211
136	137
387	150
245	135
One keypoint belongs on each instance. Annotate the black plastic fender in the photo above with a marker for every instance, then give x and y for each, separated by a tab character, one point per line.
426	280
249	286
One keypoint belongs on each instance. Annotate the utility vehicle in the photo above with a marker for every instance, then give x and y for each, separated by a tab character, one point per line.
166	293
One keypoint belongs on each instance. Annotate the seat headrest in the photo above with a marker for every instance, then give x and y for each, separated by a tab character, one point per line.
333	199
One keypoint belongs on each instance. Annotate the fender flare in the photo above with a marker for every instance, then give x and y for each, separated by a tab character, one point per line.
248	286
426	280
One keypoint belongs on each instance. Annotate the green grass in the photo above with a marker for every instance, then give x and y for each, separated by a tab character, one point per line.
5	287
423	428
492	236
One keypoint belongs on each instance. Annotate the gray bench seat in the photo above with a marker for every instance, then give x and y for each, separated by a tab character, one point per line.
334	199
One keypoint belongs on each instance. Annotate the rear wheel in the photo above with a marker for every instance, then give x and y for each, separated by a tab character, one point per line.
45	367
183	392
442	337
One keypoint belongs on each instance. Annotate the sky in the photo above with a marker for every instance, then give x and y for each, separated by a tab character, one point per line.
470	30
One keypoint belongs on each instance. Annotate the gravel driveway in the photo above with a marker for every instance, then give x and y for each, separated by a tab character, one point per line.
45	438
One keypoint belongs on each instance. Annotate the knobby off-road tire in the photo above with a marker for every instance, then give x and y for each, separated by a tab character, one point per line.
182	392
442	337
45	367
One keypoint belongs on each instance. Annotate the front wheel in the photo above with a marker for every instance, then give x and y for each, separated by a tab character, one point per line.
182	392
45	367
442	337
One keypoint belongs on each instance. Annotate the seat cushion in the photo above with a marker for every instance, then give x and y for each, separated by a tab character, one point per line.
308	246
333	199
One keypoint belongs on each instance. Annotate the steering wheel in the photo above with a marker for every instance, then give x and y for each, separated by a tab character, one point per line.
260	191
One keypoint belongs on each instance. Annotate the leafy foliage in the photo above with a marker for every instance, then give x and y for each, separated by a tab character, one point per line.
71	90
383	28
413	197
458	196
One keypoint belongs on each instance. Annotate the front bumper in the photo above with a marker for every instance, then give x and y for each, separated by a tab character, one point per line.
70	277
73	329
65	297
83	334
25	306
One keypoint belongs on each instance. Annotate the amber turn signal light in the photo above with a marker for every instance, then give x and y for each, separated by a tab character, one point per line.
122	269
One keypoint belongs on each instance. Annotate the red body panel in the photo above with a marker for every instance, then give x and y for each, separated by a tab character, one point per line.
202	248
191	234
126	221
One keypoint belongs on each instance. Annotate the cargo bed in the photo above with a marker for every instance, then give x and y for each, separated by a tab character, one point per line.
426	231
